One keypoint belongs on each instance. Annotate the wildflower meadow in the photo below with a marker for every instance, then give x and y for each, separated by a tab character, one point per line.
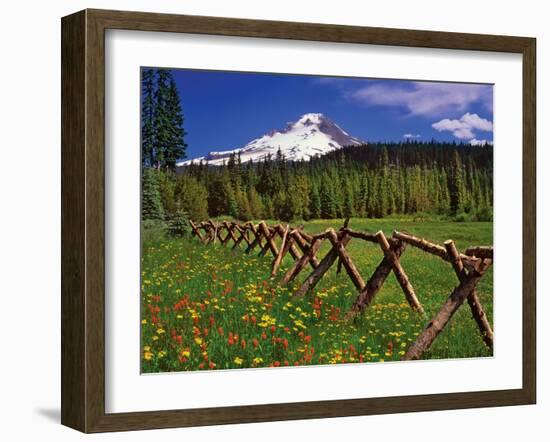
207	307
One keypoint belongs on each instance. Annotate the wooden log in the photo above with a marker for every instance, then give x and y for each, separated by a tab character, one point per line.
485	252
361	235
442	318
400	274
257	239
434	249
473	299
285	247
293	251
312	280
306	236
223	241
422	244
339	269
345	259
209	232
241	237
195	231
365	298
269	237
298	236
243	231
215	229
230	230
307	257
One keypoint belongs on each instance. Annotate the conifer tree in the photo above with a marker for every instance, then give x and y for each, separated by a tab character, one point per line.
147	117
328	202
162	119
315	203
151	203
175	147
456	184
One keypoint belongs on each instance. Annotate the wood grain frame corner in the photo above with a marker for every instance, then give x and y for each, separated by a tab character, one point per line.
83	218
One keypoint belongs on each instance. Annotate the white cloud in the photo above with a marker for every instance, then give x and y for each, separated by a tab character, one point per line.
476	142
476	122
464	127
409	136
425	98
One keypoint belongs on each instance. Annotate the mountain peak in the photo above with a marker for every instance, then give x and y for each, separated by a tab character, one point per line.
310	135
311	118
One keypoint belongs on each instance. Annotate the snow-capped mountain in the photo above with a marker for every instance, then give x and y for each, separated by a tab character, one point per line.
312	134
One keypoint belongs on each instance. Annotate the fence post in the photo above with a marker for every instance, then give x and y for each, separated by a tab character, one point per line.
339	268
400	274
449	308
285	247
195	231
345	259
312	280
269	237
473	299
377	279
299	265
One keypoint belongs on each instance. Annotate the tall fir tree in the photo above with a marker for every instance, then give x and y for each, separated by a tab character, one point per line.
161	119
147	117
175	146
315	202
151	202
456	184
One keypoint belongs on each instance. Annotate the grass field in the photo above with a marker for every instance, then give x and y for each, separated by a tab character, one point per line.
207	307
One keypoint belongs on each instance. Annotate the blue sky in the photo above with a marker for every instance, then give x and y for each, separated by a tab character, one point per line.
225	110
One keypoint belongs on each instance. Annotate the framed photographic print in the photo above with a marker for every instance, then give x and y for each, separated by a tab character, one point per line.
267	220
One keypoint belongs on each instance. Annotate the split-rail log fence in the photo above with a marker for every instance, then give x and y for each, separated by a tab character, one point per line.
282	240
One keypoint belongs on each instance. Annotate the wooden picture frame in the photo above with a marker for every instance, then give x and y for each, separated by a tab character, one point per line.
83	217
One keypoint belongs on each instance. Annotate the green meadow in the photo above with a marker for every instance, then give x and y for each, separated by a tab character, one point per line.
210	307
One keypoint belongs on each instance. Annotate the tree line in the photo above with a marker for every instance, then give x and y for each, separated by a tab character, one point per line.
373	180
